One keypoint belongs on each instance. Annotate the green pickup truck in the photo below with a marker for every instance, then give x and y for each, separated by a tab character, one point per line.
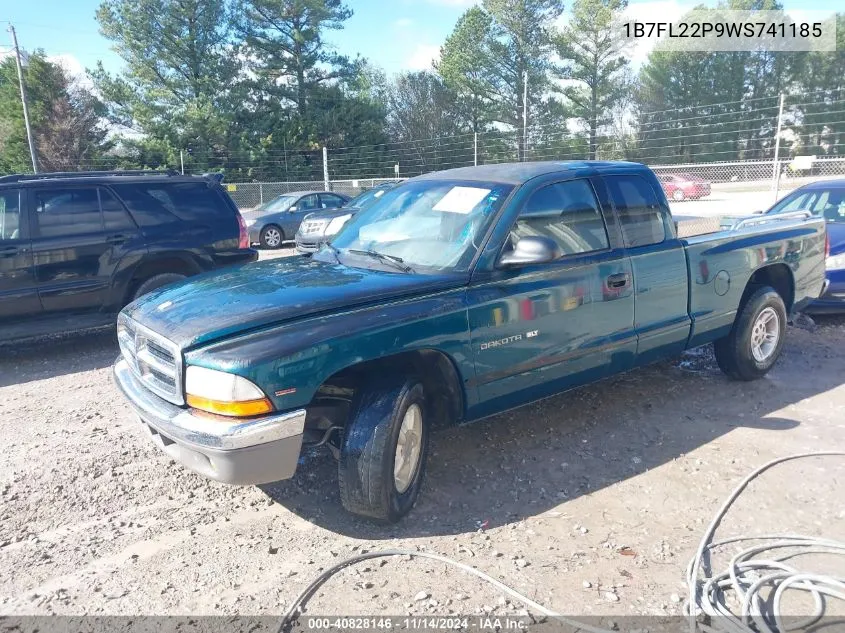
460	294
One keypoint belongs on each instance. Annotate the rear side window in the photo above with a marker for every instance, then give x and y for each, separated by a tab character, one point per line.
639	210
161	202
61	212
328	200
10	215
566	212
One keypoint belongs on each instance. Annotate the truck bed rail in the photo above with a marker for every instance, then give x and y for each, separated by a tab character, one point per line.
756	220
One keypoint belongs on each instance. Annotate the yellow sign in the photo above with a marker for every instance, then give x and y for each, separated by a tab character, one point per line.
231	187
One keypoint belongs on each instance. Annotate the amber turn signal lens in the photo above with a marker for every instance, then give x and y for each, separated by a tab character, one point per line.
244	409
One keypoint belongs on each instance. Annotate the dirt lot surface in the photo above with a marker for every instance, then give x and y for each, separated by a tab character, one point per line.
591	502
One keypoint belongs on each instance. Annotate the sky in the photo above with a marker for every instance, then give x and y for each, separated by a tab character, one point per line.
396	35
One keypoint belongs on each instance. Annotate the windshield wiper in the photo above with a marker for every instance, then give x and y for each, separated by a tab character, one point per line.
397	262
335	251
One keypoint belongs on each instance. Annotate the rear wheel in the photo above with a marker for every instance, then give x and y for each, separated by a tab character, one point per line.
271	236
385	445
756	339
155	282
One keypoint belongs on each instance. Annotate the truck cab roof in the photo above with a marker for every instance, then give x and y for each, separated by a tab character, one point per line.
518	173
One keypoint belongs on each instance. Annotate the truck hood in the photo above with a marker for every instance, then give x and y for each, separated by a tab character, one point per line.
213	305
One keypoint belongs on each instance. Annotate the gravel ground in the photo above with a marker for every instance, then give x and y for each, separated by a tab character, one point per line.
591	502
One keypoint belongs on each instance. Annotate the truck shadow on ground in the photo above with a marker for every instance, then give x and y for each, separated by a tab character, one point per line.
58	355
530	460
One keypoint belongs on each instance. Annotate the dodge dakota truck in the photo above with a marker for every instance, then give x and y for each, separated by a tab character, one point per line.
458	295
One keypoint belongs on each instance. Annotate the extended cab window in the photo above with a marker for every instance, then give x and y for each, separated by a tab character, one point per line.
639	210
10	215
566	212
63	212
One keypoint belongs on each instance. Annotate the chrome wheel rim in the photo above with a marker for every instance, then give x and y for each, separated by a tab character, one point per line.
272	237
678	195
765	334
408	449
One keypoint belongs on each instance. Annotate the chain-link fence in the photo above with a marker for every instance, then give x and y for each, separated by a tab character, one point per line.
248	195
726	177
757	175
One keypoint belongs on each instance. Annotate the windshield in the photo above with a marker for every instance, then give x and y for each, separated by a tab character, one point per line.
434	224
829	203
365	199
282	203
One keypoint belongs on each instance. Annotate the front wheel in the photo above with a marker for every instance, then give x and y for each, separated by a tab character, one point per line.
271	236
756	339
384	449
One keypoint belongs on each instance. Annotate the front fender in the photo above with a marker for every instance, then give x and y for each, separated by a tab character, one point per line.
290	362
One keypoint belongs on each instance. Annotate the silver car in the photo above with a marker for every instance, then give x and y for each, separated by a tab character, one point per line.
278	220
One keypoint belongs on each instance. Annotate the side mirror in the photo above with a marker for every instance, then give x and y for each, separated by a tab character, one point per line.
532	250
758	212
292	208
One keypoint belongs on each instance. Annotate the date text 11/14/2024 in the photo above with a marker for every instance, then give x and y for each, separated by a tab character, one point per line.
414	623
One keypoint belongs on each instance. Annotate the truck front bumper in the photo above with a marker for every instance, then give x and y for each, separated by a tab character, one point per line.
254	451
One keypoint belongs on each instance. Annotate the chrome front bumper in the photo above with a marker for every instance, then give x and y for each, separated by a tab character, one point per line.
259	450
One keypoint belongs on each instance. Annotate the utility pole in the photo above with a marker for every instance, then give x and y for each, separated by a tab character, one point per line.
775	166
182	161
23	100
326	168
524	113
475	149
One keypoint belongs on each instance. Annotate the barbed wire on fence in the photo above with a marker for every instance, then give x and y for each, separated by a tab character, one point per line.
731	144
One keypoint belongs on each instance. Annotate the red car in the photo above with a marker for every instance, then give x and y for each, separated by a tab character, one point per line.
680	187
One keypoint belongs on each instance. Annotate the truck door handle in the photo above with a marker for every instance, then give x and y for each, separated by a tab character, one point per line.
11	251
119	238
619	280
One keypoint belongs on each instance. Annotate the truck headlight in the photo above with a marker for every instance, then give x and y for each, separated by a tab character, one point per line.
835	262
337	224
223	393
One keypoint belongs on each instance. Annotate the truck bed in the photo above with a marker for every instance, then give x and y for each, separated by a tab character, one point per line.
690	225
722	261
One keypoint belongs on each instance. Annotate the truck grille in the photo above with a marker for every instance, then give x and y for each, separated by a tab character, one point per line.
156	361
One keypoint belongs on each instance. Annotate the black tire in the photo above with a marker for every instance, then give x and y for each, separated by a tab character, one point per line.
266	238
734	353
155	282
367	454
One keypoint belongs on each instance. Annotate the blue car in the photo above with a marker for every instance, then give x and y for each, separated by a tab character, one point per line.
825	198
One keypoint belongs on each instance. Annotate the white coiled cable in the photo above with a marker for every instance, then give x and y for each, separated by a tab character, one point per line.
749	578
753	580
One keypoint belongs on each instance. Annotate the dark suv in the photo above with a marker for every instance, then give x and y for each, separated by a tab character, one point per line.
77	247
